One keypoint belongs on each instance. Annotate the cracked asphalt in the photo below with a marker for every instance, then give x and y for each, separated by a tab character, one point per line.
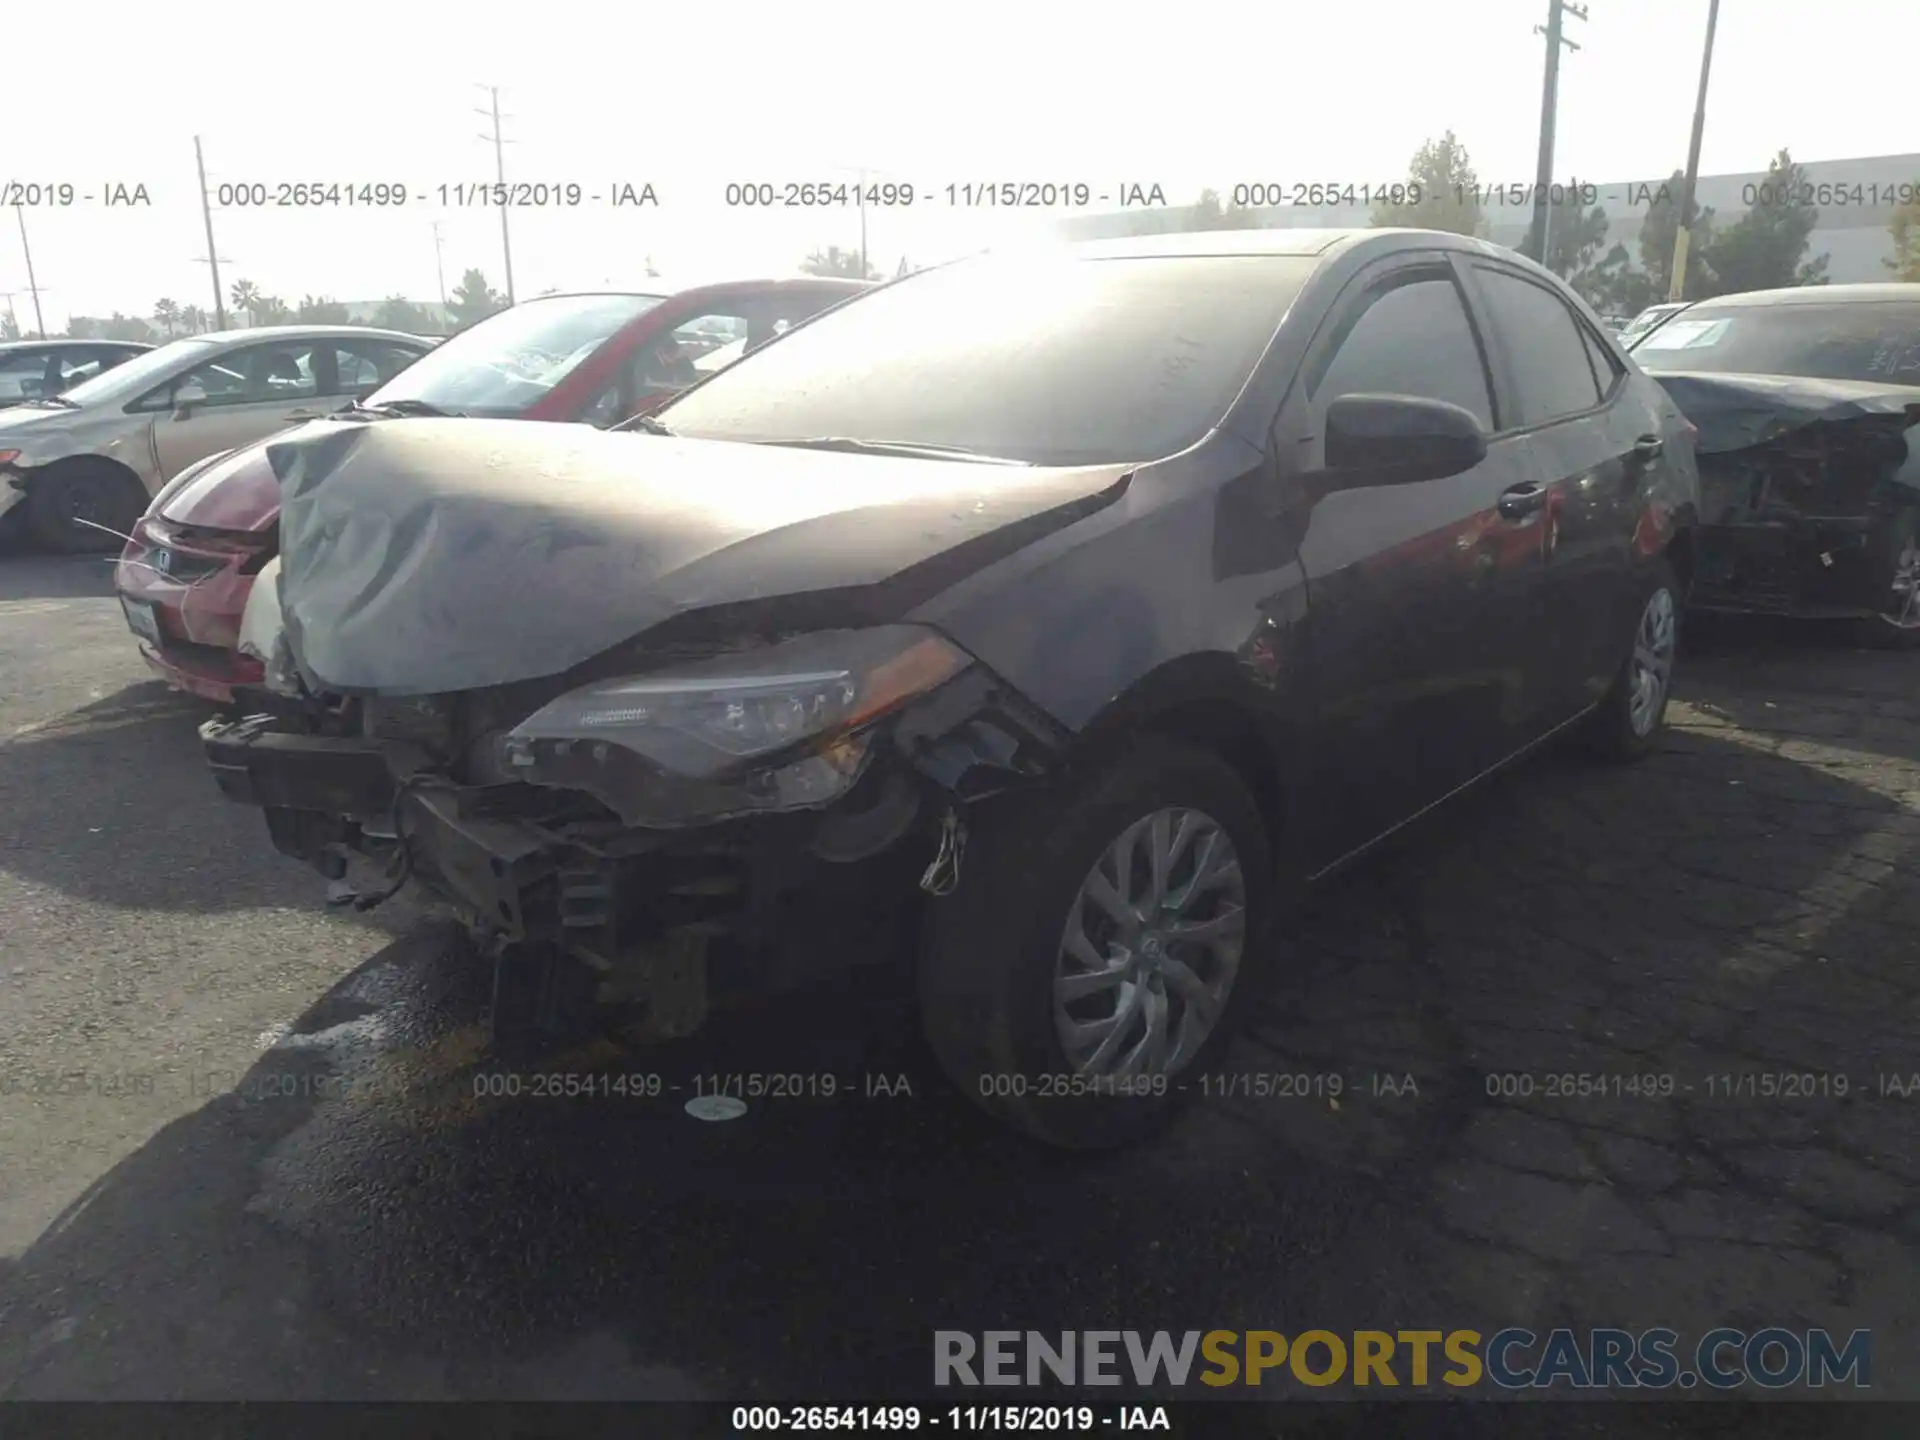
245	1156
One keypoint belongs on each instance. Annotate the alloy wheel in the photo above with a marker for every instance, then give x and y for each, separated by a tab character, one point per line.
1651	669
1151	947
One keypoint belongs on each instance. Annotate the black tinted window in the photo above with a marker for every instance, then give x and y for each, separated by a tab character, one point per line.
1412	340
1550	366
1048	359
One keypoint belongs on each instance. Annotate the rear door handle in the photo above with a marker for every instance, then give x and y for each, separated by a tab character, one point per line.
1648	447
1520	501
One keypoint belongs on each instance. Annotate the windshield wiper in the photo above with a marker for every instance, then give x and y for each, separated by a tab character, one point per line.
645	423
54	402
852	446
399	409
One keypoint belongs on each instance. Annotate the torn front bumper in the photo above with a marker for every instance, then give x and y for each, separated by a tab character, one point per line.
537	864
1813	568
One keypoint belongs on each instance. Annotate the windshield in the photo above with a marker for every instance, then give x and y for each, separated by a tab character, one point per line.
139	373
1646	320
508	362
1870	341
1052	360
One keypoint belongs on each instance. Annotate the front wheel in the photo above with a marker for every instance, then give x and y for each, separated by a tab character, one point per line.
1086	972
85	506
1626	724
1897	626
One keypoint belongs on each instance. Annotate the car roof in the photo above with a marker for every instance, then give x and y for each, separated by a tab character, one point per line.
1866	293
300	332
65	342
1384	239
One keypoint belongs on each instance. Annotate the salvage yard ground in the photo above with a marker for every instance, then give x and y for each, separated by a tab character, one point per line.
273	1178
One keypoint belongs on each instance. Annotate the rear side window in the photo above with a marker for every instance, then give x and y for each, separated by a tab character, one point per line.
1606	369
1551	371
1413	339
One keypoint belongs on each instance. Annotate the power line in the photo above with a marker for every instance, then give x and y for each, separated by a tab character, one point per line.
39	325
213	256
500	175
1683	233
1557	10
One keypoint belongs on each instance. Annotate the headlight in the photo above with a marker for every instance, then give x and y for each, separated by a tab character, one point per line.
782	727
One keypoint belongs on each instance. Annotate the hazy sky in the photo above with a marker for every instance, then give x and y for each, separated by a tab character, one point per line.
691	96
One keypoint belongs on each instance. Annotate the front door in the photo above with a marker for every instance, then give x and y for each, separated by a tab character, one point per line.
1422	598
243	396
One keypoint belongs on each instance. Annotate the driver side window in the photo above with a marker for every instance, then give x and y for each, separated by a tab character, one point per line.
1411	339
258	375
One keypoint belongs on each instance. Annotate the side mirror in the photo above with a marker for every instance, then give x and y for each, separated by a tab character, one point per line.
185	397
1375	440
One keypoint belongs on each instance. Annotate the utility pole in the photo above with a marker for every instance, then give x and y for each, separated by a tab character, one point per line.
1683	233
39	325
206	214
1549	108
440	262
500	174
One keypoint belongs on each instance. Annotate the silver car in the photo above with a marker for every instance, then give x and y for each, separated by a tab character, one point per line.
83	465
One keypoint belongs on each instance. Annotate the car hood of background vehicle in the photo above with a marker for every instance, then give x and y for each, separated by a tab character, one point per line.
238	491
20	420
1734	412
446	555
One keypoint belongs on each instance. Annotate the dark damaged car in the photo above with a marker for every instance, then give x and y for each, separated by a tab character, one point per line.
1066	611
1807	403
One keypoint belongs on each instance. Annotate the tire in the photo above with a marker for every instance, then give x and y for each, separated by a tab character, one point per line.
1619	730
989	950
94	489
1898	627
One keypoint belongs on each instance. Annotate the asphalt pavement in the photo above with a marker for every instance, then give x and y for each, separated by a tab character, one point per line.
249	1149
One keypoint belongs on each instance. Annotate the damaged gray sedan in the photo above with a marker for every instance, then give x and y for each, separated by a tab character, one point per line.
1807	407
1062	612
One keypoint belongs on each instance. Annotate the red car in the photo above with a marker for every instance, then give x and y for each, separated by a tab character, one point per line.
594	358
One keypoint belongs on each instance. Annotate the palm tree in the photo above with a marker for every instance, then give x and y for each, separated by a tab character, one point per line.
167	312
194	319
245	296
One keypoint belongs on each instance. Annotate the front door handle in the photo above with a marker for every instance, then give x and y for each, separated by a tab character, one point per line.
1520	501
1648	447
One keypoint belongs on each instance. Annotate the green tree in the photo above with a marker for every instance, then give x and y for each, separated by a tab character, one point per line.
1208	213
9	328
835	261
1905	229
473	300
193	319
1443	191
397	312
1765	249
322	311
167	312
1657	234
1576	240
126	327
271	310
244	296
83	327
1614	286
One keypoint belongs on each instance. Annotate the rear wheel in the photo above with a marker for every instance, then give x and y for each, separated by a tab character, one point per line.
1626	724
76	492
1087	970
1897	626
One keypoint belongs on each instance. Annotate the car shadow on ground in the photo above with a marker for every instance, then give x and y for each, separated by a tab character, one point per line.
371	1215
161	828
29	576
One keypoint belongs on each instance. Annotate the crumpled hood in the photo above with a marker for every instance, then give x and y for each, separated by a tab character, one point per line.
445	555
237	491
1733	412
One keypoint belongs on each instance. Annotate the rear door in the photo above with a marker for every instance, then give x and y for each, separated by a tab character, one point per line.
1591	437
1422	597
